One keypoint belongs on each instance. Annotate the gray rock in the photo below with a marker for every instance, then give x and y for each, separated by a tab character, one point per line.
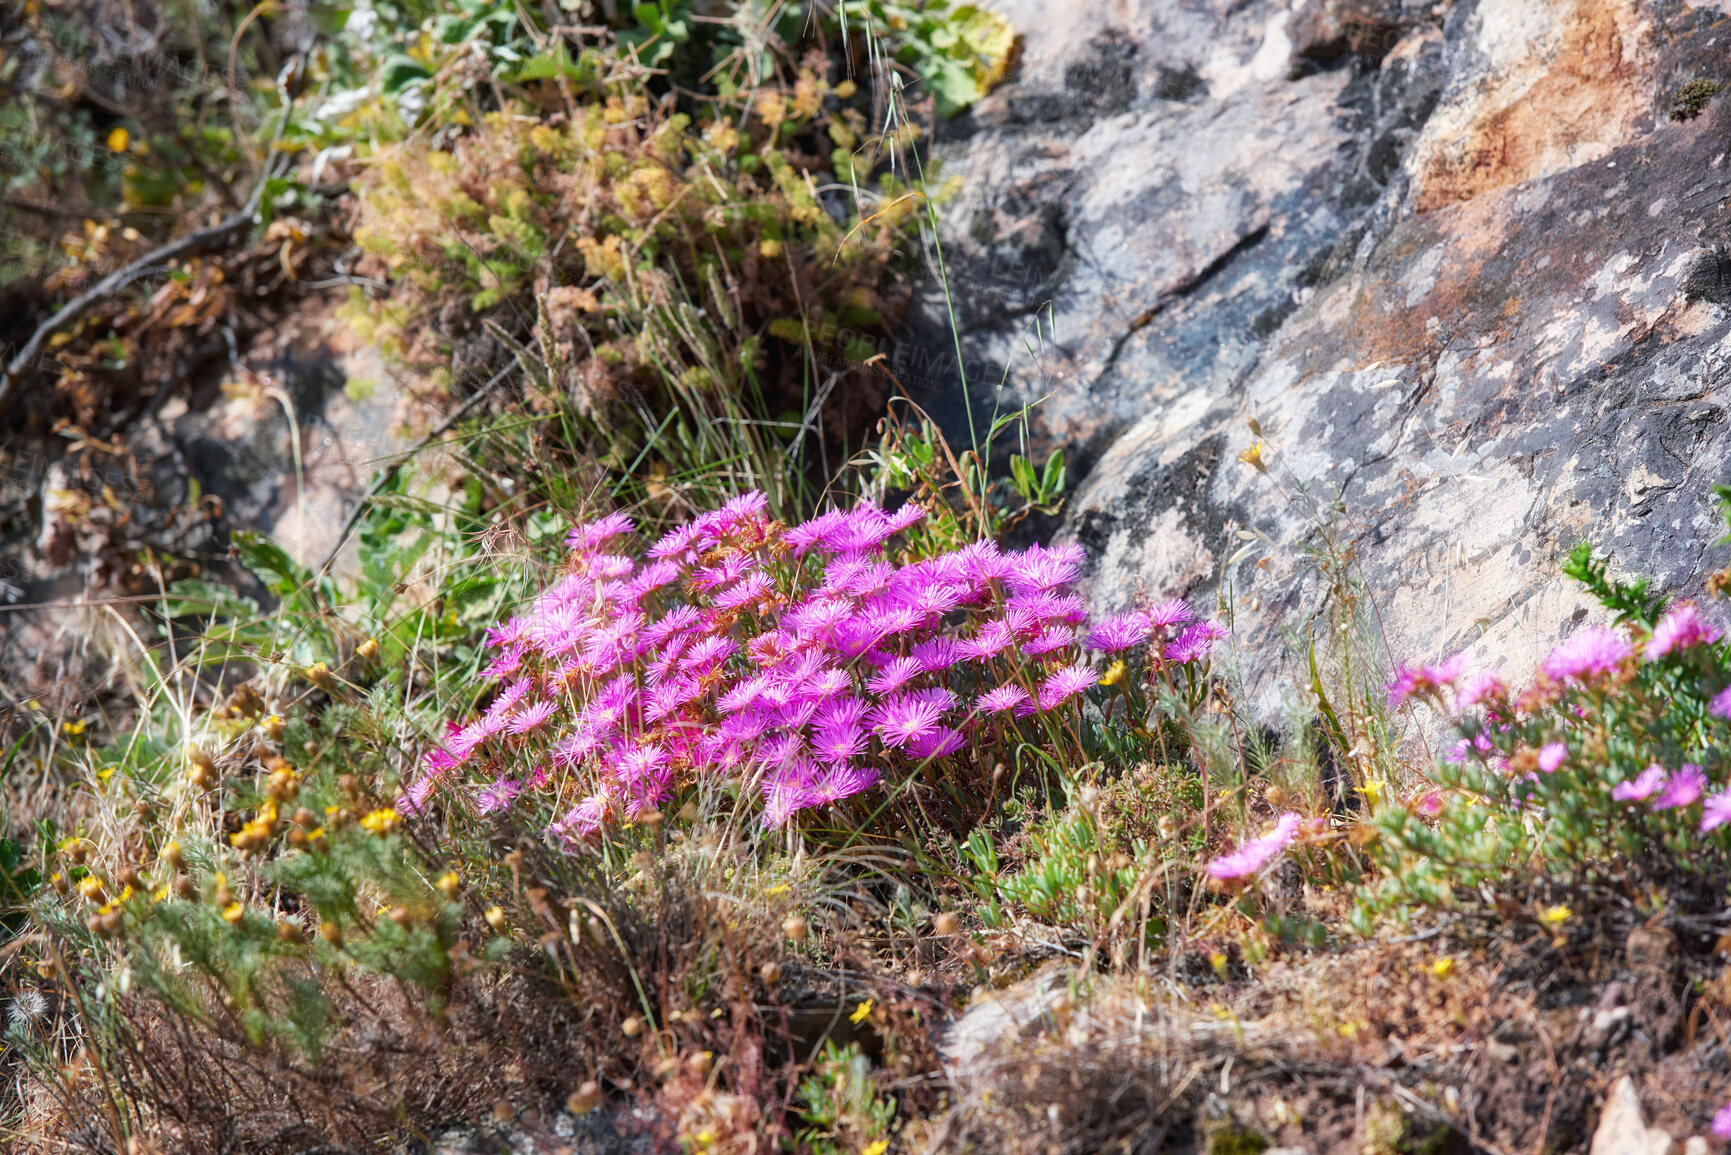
1623	1130
1455	260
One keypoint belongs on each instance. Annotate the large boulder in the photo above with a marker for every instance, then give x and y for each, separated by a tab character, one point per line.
1463	265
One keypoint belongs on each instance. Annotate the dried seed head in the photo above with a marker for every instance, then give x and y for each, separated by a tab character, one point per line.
331	933
584	1099
496	918
1120	861
631	1027
771	973
701	1063
184	888
1276	796
368	650
514	860
400	916
503	1111
946	923
795	927
171	855
1168	828
288	930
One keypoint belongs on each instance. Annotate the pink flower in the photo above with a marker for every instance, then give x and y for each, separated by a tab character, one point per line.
1065	684
992	638
1120	632
1551	756
1038	570
1716	811
1195	643
591	534
1680	629
1485	687
1720	706
1051	639
1168	614
904	718
937	654
1410	680
1594	651
935	744
1430	804
837	782
894	676
1255	854
1640	788
583	820
531	716
496	796
1007	697
1722	1123
1683	788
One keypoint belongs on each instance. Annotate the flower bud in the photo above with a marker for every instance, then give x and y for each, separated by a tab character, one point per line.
795	927
584	1099
947	924
368	650
701	1063
171	855
273	727
331	933
631	1027
400	916
450	885
496	918
1276	796
770	973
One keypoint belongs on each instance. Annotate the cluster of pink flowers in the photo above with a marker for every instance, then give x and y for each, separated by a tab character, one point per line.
1583	661
800	660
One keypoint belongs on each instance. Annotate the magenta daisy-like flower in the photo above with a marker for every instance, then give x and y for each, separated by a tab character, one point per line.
1485	687
1680	629
1722	1123
905	718
1715	811
496	796
936	744
1590	653
1051	639
1258	852
1120	632
1194	643
1006	697
583	820
1641	787
1682	789
1038	570
834	783
591	534
1065	684
1167	615
1410	680
788	790
937	654
531	716
1551	756
993	637
898	673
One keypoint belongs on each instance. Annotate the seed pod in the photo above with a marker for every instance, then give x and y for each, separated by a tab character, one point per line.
112	923
701	1063
771	973
297	837
584	1099
184	888
305	818
128	876
143	809
171	855
947	924
795	927
1167	827
222	897
331	933
400	916
1276	796
631	1027
61	886
1120	861
450	885
368	650
288	930
273	727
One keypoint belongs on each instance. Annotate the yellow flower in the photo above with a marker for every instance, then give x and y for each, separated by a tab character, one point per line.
160	895
1556	916
861	1012
1442	968
1253	458
70	726
90	886
876	1148
118	140
1218	962
381	821
1114	674
233	912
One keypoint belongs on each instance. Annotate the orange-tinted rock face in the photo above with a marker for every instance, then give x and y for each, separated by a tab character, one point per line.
1474	282
1564	85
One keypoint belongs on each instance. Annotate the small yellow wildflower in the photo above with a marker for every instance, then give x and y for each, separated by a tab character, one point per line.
159	895
233	912
1114	674
72	727
1442	968
877	1147
861	1012
90	887
1253	458
381	821
1218	962
1556	916
118	140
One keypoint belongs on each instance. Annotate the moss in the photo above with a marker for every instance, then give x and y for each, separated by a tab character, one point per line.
1693	97
1234	1139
